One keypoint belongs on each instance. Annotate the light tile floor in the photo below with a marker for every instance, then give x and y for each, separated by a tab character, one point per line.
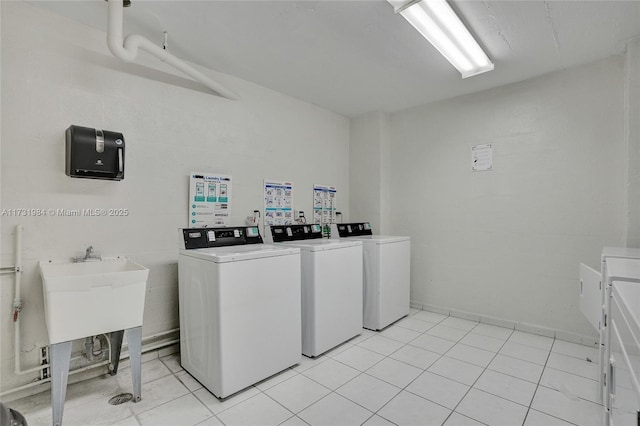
427	369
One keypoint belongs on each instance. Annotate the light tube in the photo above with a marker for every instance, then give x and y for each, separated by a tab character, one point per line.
439	24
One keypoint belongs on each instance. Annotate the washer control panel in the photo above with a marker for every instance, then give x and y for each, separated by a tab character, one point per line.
282	233
354	229
195	238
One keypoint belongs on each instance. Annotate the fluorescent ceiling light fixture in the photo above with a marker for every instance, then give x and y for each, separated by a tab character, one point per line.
439	24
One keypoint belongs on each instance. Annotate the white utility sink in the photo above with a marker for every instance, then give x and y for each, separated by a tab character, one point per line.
93	297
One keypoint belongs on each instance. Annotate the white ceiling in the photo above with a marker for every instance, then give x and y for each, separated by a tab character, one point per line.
356	56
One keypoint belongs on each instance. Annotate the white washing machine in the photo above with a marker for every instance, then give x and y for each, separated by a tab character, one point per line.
331	286
386	265
239	307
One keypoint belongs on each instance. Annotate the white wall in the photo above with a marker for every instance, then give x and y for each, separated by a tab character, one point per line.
369	170
632	134
507	243
56	73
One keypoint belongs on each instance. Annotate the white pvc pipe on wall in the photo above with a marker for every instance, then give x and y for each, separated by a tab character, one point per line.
127	50
17	308
17	304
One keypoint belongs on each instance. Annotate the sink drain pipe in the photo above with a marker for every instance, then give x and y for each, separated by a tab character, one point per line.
127	50
145	349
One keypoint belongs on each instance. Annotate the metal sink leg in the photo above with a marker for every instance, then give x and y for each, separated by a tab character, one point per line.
134	337
116	346
60	358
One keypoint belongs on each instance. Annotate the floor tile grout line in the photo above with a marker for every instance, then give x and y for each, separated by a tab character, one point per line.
218	399
372	365
264	392
511	375
579	397
585	359
309	378
551	415
171	373
374	413
425	370
539	380
476	380
293	414
295	373
419	396
572	373
364	372
532	347
464	415
405	388
360	373
520	359
334	391
417	331
533	397
377	412
546	387
404	344
200	401
377	378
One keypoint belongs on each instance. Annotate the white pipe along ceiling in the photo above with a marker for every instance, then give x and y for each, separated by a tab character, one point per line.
127	50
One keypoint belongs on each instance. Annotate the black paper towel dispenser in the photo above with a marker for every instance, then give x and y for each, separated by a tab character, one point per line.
94	154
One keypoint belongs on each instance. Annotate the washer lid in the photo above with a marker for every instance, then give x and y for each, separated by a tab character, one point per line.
238	253
379	239
321	244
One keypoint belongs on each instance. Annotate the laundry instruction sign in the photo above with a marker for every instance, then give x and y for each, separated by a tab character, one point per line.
278	203
209	200
324	203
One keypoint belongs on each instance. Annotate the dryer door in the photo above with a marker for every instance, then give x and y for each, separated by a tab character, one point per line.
590	296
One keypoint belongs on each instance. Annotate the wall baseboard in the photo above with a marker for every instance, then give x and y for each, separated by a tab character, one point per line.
514	325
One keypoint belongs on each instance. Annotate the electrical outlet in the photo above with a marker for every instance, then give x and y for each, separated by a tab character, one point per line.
44	360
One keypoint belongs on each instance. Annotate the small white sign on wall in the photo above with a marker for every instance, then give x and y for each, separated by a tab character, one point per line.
481	158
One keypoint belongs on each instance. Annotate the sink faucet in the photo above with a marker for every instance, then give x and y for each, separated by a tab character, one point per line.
89	255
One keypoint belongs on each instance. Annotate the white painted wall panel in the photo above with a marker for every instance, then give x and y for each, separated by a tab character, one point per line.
507	243
632	130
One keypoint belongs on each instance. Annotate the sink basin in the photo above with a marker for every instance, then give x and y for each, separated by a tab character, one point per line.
88	298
